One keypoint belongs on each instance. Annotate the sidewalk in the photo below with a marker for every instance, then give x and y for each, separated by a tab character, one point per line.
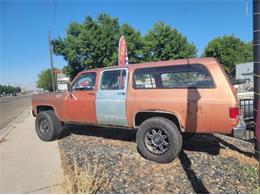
28	165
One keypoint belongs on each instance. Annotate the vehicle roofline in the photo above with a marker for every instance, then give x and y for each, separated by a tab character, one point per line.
156	63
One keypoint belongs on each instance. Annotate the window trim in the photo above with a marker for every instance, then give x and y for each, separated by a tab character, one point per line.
212	87
77	79
113	69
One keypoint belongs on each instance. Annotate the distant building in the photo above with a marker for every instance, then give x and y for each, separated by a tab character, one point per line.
244	73
61	80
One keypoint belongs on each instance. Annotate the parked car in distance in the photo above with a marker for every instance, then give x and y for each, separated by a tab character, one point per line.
162	100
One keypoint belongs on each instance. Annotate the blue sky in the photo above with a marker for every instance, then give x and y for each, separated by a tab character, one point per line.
24	26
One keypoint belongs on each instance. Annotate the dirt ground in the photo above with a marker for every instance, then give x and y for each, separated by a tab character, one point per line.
209	163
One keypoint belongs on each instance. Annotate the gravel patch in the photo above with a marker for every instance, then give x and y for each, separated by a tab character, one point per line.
209	163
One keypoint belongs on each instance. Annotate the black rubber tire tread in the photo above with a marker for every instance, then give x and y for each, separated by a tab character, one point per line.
55	125
175	139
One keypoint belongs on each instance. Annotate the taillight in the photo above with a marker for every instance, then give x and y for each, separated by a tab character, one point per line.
234	112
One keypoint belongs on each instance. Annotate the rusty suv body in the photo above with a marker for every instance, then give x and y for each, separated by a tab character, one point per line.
188	95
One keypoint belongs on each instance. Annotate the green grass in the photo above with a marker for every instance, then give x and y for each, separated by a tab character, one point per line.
251	172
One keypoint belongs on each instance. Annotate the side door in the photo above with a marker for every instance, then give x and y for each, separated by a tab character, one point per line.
79	104
111	97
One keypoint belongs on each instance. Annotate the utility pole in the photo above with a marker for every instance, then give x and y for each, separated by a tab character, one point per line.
51	60
256	48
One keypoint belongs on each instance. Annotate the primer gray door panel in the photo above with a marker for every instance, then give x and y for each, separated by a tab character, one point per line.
110	103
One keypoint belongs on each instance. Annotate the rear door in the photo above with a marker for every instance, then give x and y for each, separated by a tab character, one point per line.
111	97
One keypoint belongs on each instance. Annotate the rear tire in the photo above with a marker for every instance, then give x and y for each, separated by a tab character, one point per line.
48	126
158	139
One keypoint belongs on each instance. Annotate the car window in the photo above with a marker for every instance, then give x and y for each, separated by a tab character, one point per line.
113	80
85	82
185	76
178	76
144	80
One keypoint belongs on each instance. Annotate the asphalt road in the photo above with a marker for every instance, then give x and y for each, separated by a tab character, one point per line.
11	107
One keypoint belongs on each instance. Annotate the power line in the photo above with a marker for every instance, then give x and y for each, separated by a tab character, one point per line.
246	5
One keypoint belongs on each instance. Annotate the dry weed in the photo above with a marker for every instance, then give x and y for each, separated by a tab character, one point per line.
87	179
242	158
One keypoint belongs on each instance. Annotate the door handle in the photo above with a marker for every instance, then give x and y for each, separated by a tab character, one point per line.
92	94
121	93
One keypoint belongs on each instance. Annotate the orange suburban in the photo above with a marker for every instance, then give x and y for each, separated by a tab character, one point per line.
163	100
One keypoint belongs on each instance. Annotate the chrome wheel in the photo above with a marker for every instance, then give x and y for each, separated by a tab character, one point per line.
44	126
156	140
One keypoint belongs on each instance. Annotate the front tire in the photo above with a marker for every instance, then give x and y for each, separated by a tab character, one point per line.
158	139
48	126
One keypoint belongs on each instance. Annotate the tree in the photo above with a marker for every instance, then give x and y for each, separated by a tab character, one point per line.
92	44
8	89
163	43
229	51
45	80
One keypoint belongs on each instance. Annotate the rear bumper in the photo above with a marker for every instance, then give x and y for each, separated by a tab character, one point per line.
239	130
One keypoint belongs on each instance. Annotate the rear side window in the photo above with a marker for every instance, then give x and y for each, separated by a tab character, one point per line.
178	76
144	80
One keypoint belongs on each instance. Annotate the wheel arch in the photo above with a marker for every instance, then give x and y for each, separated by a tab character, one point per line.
44	107
141	116
40	108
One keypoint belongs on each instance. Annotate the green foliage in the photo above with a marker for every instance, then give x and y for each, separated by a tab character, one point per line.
94	44
45	80
251	172
8	89
229	51
163	43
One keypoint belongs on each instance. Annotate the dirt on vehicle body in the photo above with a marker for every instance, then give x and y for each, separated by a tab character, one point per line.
163	100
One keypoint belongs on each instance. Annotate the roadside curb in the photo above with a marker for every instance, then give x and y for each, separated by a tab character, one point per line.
10	126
